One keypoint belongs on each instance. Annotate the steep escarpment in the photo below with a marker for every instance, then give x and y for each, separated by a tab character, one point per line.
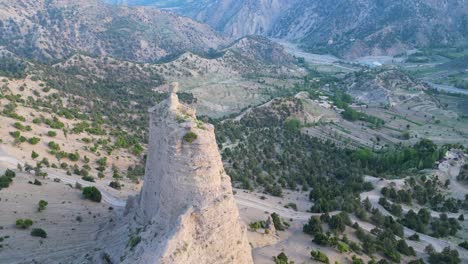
186	212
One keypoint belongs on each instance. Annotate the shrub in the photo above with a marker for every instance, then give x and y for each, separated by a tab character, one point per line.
257	225
38	232
9	173
24	223
74	156
277	222
292	206
87	178
190	137
34	154
282	259
53	146
42	205
15	134
92	193
51	133
319	256
19	126
115	184
342	247
37	182
34	140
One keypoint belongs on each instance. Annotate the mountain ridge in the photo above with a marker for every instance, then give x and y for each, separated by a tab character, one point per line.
347	28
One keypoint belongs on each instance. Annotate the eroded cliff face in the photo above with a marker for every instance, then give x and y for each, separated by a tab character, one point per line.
186	212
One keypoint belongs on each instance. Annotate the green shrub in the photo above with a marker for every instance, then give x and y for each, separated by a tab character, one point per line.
282	259
53	146
34	140
51	133
42	205
15	134
92	193
74	156
277	222
115	184
24	223
19	126
319	256
190	137
257	225
34	154
38	232
88	178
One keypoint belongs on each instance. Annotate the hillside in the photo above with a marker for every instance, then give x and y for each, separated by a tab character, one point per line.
52	30
342	27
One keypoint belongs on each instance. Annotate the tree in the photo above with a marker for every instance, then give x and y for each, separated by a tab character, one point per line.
313	226
321	239
337	223
42	205
92	193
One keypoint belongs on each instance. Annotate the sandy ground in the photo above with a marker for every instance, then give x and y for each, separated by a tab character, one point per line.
66	236
69	238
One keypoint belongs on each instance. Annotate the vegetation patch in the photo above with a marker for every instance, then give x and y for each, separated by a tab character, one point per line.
92	193
190	137
39	232
24	223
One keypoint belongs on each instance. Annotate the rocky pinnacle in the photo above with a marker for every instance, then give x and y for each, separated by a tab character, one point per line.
186	205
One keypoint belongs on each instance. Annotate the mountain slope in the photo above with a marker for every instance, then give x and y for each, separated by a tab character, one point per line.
55	29
344	27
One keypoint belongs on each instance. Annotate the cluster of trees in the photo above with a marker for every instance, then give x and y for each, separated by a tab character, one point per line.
395	162
447	256
422	222
385	241
12	67
342	100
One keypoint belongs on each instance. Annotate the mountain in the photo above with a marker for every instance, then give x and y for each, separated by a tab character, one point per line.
55	29
343	27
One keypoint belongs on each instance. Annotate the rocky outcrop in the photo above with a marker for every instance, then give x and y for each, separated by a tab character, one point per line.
186	212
